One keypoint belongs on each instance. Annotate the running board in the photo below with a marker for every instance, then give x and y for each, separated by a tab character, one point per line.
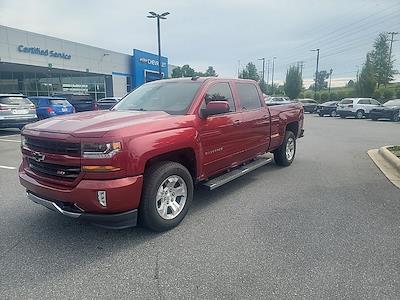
236	173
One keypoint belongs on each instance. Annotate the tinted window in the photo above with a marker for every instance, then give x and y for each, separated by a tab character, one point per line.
220	92
248	95
346	101
59	101
364	101
171	97
374	102
14	100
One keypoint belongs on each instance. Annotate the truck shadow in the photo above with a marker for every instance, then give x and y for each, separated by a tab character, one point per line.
54	246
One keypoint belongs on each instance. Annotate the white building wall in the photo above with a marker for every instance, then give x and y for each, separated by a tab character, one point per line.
119	85
83	57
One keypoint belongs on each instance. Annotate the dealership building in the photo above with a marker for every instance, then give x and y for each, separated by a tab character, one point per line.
39	65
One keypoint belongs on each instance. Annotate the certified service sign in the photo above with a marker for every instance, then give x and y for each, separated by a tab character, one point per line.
43	52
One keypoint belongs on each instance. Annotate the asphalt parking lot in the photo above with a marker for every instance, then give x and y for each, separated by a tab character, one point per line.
326	227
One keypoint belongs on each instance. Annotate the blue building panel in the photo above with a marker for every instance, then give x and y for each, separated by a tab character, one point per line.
145	67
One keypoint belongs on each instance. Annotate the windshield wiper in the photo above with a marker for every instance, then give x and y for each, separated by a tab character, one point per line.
137	109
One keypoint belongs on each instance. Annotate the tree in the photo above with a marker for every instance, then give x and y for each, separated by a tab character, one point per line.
176	72
249	72
187	71
321	80
383	65
211	72
293	82
263	87
366	83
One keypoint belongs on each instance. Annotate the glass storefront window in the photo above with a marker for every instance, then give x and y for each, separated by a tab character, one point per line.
46	82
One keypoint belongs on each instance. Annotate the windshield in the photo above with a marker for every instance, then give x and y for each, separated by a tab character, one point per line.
172	97
346	101
392	103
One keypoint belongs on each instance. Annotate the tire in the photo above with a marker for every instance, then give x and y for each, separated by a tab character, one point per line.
162	176
321	114
395	117
281	155
359	114
343	117
333	113
374	119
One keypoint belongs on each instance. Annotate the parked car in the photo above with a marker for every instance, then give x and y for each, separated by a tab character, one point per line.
47	107
142	158
16	110
309	105
81	102
327	108
277	100
107	103
356	107
390	110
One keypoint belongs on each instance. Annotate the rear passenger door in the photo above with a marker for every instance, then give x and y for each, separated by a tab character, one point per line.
256	121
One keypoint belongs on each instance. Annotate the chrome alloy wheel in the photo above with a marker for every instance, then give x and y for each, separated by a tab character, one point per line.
290	149
171	197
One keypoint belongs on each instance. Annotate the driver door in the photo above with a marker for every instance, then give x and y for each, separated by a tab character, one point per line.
220	135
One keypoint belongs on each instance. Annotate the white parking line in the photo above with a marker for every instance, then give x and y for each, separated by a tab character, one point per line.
13	141
7	167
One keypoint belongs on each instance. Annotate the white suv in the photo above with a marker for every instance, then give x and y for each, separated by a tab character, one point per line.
356	107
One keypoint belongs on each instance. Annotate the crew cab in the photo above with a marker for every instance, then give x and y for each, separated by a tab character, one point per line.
140	161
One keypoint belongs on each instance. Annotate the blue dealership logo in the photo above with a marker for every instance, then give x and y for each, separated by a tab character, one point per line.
46	52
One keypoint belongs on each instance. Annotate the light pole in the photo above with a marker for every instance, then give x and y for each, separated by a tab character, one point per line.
158	16
272	75
263	68
330	80
316	73
268	62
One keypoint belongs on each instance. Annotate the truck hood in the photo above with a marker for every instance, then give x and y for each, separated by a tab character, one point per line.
97	123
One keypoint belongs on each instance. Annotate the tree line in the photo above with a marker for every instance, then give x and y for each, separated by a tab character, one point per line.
377	72
187	71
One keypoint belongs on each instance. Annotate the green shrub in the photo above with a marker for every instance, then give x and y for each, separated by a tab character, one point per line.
387	94
333	97
377	95
341	95
301	95
324	96
398	93
309	94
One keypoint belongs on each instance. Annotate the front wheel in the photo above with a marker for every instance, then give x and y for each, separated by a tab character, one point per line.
167	195
320	114
286	152
396	117
333	113
359	114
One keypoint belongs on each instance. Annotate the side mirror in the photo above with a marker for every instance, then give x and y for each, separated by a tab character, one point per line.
215	108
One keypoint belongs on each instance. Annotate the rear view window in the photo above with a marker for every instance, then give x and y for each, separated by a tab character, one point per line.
248	95
14	100
59	101
346	101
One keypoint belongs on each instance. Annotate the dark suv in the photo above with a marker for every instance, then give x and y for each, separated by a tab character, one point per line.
81	102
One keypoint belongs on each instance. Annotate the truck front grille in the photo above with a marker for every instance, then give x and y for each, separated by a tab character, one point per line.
69	173
49	146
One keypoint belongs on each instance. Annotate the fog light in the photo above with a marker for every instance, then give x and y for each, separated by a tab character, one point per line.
102	198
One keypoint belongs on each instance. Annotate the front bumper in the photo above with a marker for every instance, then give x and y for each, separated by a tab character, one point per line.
112	221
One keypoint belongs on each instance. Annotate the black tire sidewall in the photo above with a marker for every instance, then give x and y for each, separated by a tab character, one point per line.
148	214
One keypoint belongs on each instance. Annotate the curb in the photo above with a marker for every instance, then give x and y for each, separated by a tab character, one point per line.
390	158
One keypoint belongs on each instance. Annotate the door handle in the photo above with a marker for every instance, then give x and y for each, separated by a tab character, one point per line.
236	122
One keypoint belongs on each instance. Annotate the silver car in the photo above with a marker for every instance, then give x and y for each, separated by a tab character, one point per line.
16	111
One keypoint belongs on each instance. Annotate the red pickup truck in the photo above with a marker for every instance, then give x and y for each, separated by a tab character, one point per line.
140	160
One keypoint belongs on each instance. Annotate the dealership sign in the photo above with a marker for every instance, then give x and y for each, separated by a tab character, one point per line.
150	61
43	52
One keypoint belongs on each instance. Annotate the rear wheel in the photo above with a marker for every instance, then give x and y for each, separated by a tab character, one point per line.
320	114
359	114
396	117
167	195
333	113
286	152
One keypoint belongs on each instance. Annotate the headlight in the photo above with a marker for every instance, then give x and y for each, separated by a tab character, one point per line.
100	150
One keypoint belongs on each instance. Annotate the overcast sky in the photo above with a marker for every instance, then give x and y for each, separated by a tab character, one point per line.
221	32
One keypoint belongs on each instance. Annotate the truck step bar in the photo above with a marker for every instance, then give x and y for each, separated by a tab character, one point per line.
236	173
